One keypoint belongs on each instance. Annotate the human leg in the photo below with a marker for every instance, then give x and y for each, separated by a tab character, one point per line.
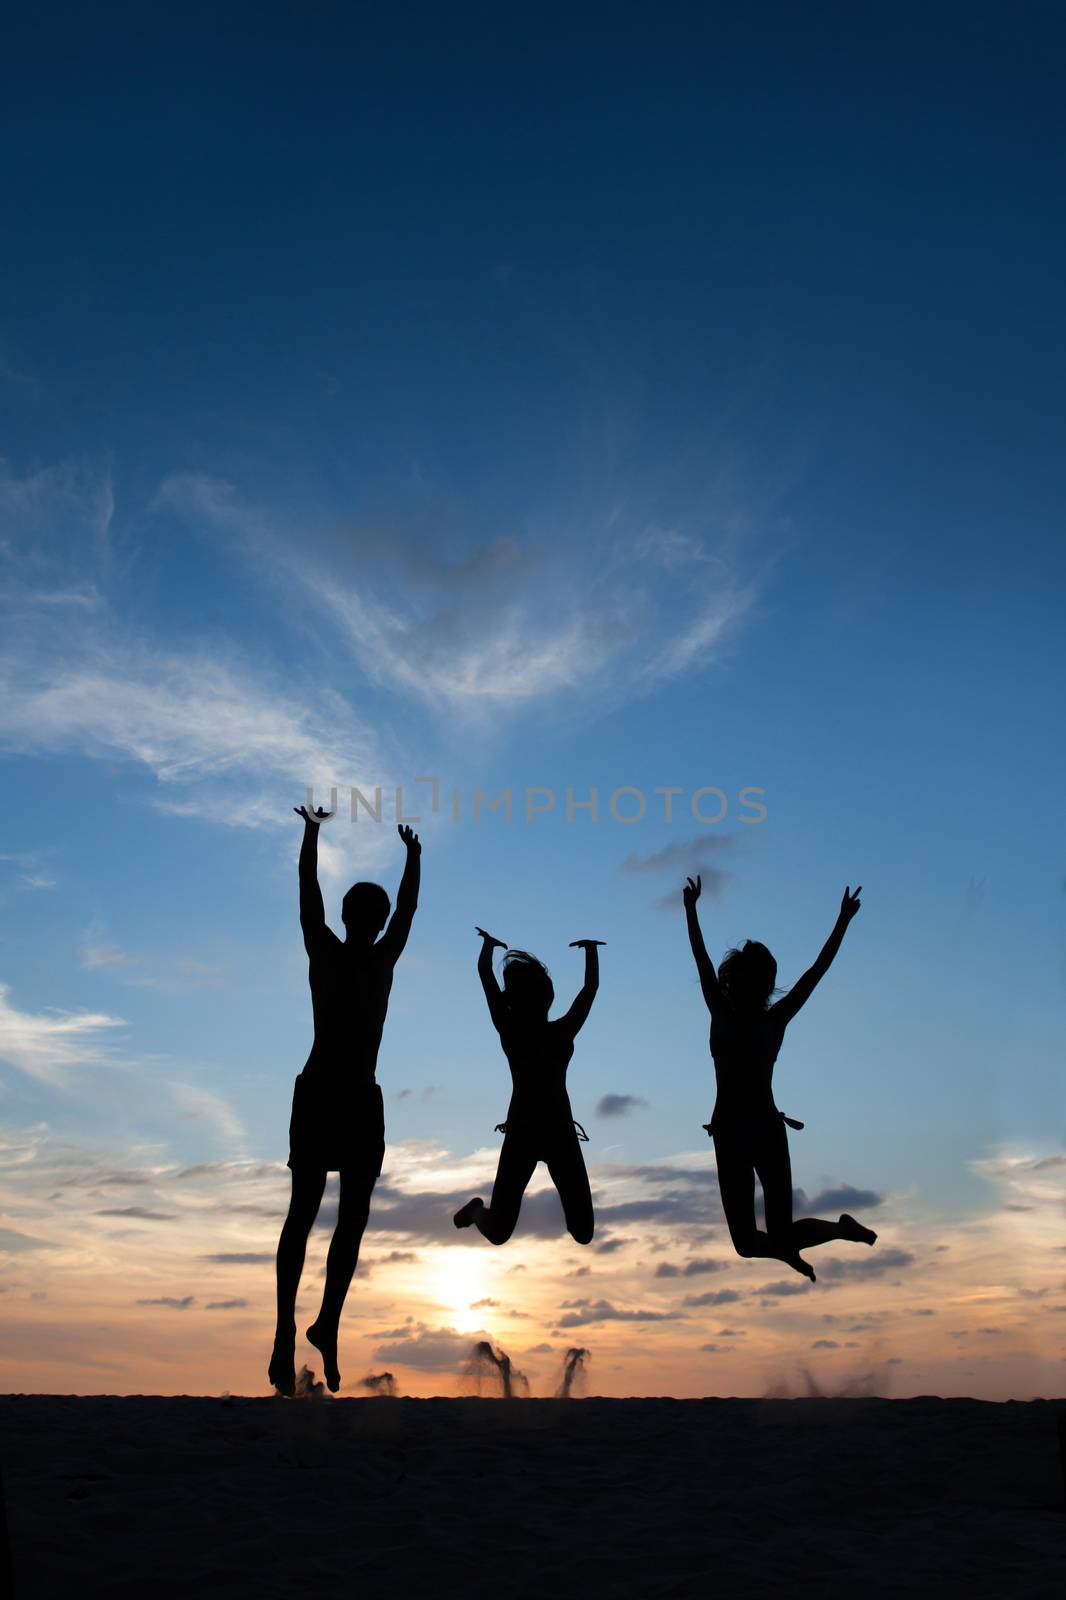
308	1184
570	1177
773	1165
808	1231
496	1221
353	1209
736	1188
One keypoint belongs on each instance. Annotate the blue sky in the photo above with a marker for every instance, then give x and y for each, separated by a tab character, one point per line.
600	400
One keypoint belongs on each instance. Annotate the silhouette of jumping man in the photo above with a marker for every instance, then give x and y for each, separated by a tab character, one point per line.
540	1124
747	1128
338	1119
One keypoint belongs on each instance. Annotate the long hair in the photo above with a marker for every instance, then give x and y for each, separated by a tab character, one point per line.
748	976
527	985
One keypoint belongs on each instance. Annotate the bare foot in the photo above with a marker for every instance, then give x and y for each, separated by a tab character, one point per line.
282	1369
324	1340
850	1229
466	1214
798	1264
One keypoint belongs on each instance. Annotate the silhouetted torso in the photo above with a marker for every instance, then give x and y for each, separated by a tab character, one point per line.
350	987
745	1047
538	1055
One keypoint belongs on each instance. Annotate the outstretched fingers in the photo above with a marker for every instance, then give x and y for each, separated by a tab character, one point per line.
319	815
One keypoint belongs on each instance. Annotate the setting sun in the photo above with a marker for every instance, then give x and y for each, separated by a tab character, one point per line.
459	1279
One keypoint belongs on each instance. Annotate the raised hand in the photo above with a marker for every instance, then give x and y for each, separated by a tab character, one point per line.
315	817
850	902
493	944
410	839
691	892
585	944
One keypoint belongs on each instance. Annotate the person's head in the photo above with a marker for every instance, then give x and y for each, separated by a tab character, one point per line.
526	985
748	976
365	911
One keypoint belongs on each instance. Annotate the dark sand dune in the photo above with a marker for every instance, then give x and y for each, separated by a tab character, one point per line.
483	1498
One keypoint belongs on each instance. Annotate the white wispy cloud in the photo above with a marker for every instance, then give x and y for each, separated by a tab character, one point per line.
196	1103
68	1050
225	743
96	955
85	598
605	609
227	738
74	492
27	875
186	717
53	1046
170	974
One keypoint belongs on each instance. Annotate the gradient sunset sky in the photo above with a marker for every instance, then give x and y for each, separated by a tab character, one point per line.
547	399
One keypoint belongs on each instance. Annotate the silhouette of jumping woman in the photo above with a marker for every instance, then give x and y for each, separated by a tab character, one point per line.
338	1119
747	1128
540	1124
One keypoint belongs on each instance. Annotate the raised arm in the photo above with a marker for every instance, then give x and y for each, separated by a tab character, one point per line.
395	936
493	992
712	992
312	911
785	1008
575	1019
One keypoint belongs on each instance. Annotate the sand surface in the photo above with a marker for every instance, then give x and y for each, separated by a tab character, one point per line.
475	1497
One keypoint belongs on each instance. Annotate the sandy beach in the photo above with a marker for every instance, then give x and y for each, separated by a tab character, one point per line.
141	1495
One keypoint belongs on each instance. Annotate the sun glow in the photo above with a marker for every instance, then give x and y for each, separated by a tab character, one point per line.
459	1280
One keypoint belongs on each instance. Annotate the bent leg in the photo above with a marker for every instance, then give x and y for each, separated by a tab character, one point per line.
774	1167
810	1231
570	1177
775	1174
736	1186
353	1210
738	1162
308	1184
496	1221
